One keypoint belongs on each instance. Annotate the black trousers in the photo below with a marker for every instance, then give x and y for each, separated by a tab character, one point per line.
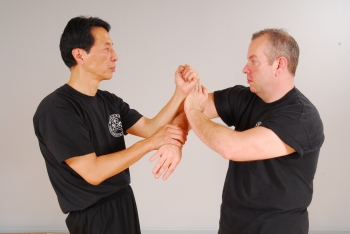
116	214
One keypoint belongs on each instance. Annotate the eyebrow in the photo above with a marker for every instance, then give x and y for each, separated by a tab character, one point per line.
108	44
252	56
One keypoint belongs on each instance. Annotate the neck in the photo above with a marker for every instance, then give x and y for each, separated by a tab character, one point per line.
277	92
83	82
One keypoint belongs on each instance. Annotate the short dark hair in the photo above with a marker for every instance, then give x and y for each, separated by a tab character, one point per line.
77	34
280	43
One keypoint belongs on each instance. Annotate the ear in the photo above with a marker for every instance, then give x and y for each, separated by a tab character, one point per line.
78	55
281	65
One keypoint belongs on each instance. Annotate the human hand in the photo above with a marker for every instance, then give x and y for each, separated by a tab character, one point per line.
185	79
169	157
168	134
197	99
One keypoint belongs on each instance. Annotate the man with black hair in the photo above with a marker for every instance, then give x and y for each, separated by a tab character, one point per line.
274	148
81	134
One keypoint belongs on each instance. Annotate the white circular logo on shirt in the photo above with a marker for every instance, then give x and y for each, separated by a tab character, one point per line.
115	125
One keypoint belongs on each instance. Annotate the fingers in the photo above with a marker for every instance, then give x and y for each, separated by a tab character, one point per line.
180	69
156	155
175	142
205	91
168	134
175	135
170	157
170	170
157	168
189	75
163	166
199	87
166	166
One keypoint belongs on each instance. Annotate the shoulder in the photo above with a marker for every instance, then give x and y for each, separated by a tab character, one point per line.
48	102
311	120
61	99
233	89
299	103
108	96
238	92
234	97
296	121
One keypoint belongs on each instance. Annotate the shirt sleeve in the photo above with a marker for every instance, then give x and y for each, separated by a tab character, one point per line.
287	124
128	116
287	130
230	102
64	133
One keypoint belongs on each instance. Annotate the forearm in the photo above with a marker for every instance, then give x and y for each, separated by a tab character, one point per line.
167	113
170	155
97	169
181	120
114	163
217	137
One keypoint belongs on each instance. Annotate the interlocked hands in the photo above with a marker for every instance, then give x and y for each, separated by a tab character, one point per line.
188	84
185	79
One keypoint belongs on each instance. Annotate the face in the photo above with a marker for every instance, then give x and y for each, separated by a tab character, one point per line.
259	72
100	61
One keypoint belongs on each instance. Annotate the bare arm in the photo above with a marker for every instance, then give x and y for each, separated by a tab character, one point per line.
170	155
185	79
97	169
254	144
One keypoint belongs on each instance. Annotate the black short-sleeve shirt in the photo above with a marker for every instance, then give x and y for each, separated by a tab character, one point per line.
68	123
270	196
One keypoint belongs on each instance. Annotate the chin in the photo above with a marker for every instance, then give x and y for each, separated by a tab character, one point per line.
107	77
252	89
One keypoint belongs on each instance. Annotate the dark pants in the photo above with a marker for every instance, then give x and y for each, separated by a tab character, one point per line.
116	214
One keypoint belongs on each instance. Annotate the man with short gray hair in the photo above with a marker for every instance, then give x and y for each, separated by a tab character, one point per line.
274	148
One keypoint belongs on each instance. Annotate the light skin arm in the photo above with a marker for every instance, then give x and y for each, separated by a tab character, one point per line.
258	143
170	155
97	169
185	80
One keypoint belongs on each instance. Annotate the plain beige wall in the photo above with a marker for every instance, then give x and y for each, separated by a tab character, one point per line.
152	37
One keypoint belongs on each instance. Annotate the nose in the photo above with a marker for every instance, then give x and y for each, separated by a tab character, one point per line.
245	69
114	56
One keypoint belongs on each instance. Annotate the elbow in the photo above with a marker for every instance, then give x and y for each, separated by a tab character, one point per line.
93	180
94	183
232	154
226	154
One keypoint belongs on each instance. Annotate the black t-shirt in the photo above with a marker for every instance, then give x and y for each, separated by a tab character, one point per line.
270	196
67	124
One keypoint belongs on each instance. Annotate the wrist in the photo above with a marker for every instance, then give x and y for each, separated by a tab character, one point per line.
179	94
193	110
148	144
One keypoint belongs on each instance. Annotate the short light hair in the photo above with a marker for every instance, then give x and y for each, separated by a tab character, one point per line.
280	43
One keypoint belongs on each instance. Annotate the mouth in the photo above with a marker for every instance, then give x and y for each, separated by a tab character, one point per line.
113	69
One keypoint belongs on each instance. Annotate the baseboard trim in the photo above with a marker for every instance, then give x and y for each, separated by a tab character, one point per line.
161	231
